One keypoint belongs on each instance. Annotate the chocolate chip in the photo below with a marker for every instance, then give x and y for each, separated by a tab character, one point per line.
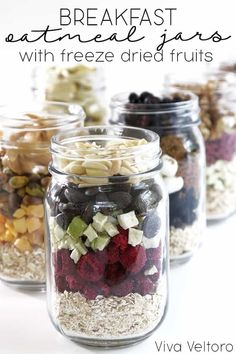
90	192
101	198
64	220
145	201
75	194
151	225
121	199
133	98
88	213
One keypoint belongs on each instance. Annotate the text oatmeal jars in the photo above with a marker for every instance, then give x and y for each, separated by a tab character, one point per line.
217	98
107	217
79	84
25	136
174	116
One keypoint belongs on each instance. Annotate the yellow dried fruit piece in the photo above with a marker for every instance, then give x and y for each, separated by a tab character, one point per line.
8	236
2	219
33	224
19	213
36	210
20	225
11	228
23	244
2	228
37	237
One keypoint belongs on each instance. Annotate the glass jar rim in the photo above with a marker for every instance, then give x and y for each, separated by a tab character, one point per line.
120	103
61	145
23	117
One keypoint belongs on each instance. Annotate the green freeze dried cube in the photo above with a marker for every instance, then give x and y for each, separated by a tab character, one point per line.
76	227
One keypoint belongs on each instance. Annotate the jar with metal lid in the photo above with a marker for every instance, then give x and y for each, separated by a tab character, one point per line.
107	218
79	84
174	116
217	98
26	130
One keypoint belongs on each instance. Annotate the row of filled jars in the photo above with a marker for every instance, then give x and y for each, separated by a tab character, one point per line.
216	90
107	216
107	219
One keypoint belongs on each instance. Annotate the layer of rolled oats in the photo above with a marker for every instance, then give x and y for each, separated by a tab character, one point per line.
221	192
184	240
109	317
16	265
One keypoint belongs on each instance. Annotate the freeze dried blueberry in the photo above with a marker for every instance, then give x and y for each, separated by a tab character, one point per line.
151	225
144	96
75	195
64	220
183	206
121	199
133	98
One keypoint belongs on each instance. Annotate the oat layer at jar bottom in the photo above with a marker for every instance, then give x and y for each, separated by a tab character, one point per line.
221	176
108	260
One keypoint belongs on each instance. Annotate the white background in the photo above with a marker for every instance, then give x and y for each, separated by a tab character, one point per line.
202	302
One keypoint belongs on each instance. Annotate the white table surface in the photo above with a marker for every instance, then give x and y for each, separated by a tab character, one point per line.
202	306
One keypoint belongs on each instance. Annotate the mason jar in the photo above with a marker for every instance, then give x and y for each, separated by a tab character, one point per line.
107	224
79	84
217	98
26	130
174	115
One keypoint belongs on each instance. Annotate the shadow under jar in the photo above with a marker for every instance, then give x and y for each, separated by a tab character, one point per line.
217	99
25	136
174	116
107	219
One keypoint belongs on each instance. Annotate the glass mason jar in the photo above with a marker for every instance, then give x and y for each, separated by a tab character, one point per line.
25	136
107	217
217	99
78	84
174	116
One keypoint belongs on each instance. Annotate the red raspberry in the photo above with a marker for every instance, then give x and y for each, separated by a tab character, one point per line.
154	254
113	253
121	240
133	258
104	289
63	263
155	277
61	283
89	292
90	267
102	256
143	285
114	273
123	288
74	283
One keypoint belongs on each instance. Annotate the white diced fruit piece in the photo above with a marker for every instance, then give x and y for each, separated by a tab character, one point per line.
90	233
75	255
151	271
169	167
81	247
111	229
151	242
58	232
112	219
127	220
135	237
99	220
173	184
